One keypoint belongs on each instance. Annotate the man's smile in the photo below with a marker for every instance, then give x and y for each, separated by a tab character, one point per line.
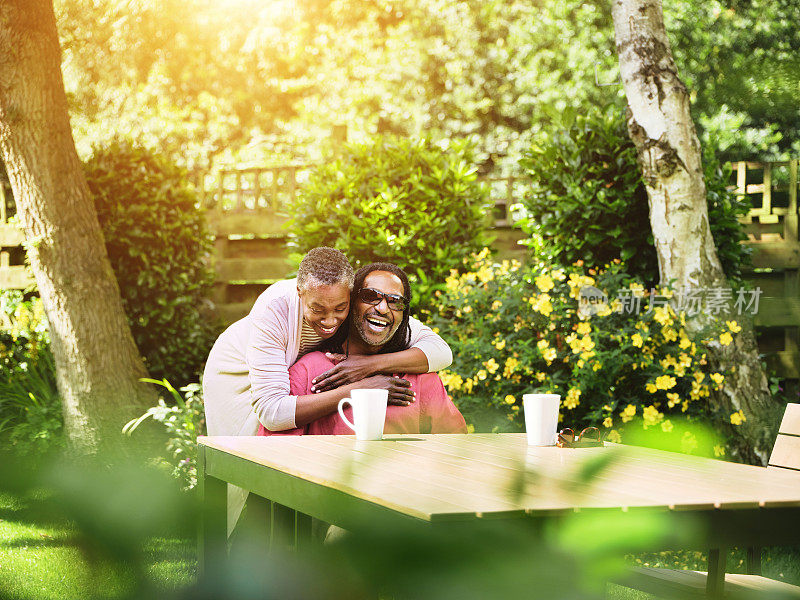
377	323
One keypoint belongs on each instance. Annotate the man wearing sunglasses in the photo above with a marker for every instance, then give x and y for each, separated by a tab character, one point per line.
379	323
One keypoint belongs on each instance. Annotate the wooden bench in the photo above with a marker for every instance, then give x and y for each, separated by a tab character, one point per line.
673	583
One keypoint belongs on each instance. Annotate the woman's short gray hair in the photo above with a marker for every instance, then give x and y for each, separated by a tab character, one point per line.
325	266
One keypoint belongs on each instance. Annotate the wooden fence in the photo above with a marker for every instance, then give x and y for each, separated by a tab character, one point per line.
771	227
246	218
14	275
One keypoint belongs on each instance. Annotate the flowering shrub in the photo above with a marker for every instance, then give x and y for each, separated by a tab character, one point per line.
515	330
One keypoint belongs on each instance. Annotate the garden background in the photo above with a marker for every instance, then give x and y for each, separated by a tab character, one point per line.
215	147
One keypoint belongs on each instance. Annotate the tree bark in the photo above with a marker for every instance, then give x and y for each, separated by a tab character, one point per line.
98	366
661	127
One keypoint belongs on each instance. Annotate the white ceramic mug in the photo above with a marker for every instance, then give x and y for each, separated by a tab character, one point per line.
541	418
369	412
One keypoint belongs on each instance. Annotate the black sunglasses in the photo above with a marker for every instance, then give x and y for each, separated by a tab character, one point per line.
374	297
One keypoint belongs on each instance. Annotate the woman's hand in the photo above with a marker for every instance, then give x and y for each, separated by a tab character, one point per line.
400	393
348	370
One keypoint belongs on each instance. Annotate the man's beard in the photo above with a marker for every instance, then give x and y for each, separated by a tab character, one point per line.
364	334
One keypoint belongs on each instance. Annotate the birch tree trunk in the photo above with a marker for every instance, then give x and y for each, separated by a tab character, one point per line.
98	366
661	127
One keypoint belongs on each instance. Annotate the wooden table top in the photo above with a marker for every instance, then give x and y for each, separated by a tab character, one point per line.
485	475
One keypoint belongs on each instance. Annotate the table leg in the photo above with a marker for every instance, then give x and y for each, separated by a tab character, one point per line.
302	531
715	582
254	526
753	562
282	524
212	531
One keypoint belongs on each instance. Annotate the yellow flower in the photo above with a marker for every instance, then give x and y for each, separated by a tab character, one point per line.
717	378
583	328
673	399
544	282
666	426
540	376
725	338
738	418
651	388
542	304
491	366
559	275
485	274
668	361
496	304
637	340
719	450
665	382
608	422
684	343
628	413
481	375
451	381
614	437
499	344
661	314
699	376
467	308
637	288
549	355
651	416
511	366
471	428
543	344
669	334
733	326
572	399
597	366
510	399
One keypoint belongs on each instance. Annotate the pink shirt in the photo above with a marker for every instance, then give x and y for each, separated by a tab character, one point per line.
431	412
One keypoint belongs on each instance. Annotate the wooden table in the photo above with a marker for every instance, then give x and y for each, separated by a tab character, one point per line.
462	478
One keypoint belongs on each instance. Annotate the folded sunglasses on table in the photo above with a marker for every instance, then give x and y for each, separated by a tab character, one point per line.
588	438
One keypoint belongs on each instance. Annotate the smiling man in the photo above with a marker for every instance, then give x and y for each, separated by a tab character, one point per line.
378	324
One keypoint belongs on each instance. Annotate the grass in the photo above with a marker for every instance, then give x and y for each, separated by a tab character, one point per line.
41	558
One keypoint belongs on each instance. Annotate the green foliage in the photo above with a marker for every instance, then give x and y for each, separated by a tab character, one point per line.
409	202
159	249
740	61
183	421
515	330
586	199
31	421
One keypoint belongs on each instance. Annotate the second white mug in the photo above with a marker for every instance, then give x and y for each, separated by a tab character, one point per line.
541	418
369	412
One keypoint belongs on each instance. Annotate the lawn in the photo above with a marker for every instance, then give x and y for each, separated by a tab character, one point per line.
42	559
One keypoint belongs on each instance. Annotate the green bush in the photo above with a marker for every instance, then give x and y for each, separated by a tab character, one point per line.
587	201
409	202
516	329
159	248
183	419
31	421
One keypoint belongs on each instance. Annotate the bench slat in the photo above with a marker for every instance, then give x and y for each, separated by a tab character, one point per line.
791	420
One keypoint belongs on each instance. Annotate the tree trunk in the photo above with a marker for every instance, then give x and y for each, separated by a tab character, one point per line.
97	363
669	156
